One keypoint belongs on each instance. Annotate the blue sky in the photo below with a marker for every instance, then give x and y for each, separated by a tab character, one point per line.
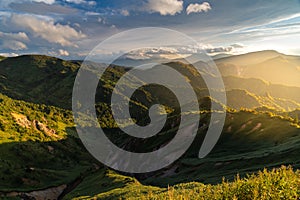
70	29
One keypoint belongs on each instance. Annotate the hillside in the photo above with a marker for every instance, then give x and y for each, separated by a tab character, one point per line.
60	75
39	148
38	79
242	93
274	184
267	65
249	58
41	152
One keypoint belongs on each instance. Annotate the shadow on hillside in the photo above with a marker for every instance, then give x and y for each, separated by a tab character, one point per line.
34	165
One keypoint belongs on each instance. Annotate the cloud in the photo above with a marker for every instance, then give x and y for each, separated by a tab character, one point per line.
125	12
13	45
5	4
45	1
9	54
198	8
12	41
237	46
89	13
219	49
175	51
91	3
63	52
164	7
15	36
47	29
42	8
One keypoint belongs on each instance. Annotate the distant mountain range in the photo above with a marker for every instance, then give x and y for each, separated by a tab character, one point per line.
270	66
250	77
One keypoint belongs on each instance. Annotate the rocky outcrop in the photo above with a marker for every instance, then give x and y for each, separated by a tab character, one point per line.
23	121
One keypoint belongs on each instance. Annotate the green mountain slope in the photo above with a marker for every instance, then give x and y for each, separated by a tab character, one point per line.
39	79
40	149
250	141
276	184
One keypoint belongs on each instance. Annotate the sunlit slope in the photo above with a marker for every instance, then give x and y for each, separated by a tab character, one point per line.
274	184
39	147
267	65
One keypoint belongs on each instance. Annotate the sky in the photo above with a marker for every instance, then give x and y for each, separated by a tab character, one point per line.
70	29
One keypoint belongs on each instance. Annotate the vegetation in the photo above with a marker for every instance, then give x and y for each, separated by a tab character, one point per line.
279	183
40	149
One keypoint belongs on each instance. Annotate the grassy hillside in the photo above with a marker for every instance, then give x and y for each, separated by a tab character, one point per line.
238	99
24	78
262	88
39	147
38	79
281	183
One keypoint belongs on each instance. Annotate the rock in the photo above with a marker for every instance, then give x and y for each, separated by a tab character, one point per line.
21	120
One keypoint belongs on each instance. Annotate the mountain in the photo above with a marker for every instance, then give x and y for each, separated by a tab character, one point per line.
280	97
221	55
262	88
249	58
41	153
39	148
270	66
39	79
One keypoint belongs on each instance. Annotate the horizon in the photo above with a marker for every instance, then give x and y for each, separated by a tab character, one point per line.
228	55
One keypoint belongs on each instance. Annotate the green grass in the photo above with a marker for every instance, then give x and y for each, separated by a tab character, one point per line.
109	185
33	158
280	183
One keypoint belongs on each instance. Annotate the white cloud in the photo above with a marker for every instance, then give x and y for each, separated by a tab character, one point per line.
7	3
237	45
125	12
175	51
45	1
63	52
91	3
12	41
197	8
76	1
164	7
9	54
13	45
219	50
47	29
15	36
89	13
